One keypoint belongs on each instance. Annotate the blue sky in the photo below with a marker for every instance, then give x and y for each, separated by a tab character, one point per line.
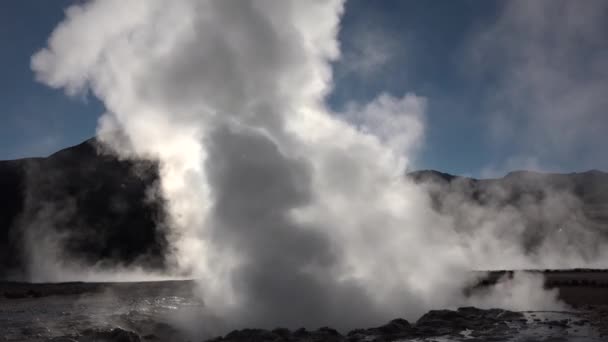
508	85
36	120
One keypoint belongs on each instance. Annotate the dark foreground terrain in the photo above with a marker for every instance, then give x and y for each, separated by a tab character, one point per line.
170	311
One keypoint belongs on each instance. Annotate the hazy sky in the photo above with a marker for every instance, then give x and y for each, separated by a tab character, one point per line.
508	84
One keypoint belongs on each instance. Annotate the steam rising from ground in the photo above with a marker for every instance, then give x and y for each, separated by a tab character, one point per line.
289	214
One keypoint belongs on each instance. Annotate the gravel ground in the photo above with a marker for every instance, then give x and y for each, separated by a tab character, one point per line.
168	311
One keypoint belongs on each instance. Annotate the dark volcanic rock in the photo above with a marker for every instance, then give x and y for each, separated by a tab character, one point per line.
253	335
281	334
480	322
485	325
90	335
397	328
97	207
114	335
154	330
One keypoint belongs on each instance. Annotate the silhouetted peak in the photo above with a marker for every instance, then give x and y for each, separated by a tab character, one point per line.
424	175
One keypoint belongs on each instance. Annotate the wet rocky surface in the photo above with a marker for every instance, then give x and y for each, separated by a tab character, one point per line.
158	311
96	311
464	324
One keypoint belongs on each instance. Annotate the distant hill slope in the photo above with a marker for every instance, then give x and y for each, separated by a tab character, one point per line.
94	206
590	187
574	205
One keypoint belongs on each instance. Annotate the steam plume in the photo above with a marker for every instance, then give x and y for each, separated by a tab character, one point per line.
290	215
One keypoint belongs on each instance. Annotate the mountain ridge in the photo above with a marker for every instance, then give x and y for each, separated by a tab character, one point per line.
422	173
102	206
96	206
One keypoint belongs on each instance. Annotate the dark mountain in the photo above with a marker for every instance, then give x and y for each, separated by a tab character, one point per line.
95	208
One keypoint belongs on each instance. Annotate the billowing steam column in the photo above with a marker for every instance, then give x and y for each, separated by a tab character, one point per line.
288	214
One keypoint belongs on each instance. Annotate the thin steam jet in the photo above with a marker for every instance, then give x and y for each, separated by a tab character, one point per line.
288	214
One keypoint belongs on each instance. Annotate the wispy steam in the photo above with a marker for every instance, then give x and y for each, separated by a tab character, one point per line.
547	60
290	215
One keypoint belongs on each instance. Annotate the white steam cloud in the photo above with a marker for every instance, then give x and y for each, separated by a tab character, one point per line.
289	214
548	62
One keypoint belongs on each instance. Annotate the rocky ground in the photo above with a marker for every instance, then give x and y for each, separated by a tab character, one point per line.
464	324
96	311
159	311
